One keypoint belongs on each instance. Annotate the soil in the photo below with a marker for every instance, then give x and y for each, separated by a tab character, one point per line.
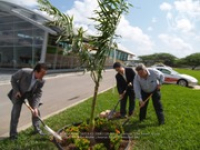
96	137
70	146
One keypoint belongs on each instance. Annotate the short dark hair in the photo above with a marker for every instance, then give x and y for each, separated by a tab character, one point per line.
117	65
40	66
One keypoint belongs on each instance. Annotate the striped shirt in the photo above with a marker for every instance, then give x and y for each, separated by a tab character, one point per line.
149	84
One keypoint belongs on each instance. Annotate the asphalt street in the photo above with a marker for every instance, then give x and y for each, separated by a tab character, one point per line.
60	91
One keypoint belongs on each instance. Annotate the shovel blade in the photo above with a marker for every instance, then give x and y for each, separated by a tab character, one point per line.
56	135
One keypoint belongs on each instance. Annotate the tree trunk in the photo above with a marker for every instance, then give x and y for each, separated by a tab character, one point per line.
96	88
194	67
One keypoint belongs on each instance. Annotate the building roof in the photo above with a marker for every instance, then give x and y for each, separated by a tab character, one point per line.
126	51
25	14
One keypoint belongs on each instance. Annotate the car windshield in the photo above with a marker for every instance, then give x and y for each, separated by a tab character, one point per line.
174	72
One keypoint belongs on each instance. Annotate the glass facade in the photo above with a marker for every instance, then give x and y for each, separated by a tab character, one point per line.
20	42
59	55
119	55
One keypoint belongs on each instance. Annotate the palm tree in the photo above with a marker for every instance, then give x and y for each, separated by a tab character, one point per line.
93	57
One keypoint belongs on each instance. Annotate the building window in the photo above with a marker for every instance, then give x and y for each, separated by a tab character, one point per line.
20	42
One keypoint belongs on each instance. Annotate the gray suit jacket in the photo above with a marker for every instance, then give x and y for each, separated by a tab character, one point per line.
21	81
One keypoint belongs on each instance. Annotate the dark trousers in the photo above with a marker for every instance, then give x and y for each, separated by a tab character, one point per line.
156	96
123	102
15	114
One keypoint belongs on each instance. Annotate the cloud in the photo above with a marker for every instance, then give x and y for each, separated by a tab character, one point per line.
134	34
165	6
184	17
83	10
188	6
169	15
184	25
175	43
26	3
149	28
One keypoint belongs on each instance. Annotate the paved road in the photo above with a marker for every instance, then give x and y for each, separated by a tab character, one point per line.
60	92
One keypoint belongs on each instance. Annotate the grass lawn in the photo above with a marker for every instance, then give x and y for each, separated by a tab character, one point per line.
181	131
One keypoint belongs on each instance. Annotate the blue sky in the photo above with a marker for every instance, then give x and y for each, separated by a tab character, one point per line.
171	26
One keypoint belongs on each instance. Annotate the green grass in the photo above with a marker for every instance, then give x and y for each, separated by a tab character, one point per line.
182	122
180	132
194	73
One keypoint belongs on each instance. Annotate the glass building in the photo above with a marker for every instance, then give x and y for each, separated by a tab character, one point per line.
23	37
25	40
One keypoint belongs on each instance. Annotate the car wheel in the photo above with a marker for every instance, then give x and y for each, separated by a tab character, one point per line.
182	82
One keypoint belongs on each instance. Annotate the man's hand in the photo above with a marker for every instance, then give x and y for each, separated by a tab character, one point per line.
158	87
35	112
142	103
18	95
121	96
129	84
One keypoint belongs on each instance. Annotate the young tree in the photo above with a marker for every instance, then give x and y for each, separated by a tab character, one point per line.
107	18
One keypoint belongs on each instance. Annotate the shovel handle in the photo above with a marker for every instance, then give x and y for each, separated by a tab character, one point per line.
27	104
147	99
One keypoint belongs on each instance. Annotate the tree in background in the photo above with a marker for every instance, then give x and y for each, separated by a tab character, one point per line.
192	60
94	55
165	58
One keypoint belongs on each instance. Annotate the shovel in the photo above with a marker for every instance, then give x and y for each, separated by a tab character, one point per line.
47	128
110	115
145	101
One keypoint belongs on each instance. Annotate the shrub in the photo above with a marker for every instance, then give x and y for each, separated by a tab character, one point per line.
82	143
99	146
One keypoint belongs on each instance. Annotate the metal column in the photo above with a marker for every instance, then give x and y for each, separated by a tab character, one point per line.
44	47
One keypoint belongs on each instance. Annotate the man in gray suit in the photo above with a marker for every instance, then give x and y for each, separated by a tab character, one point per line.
26	84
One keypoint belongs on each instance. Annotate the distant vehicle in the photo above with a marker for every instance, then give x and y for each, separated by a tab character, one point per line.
160	65
173	77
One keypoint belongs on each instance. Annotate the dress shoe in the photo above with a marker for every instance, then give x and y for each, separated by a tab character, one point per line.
161	123
130	114
123	116
40	132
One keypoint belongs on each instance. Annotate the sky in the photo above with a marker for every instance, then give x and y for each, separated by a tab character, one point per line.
161	26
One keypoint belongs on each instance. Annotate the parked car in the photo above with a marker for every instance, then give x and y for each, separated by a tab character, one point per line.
173	77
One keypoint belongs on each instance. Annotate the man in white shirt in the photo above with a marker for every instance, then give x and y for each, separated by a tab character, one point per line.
147	84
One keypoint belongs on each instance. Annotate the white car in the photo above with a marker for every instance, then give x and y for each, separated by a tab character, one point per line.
174	77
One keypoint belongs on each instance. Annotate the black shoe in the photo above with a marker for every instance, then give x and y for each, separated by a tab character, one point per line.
13	138
141	120
40	132
123	116
130	114
161	123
